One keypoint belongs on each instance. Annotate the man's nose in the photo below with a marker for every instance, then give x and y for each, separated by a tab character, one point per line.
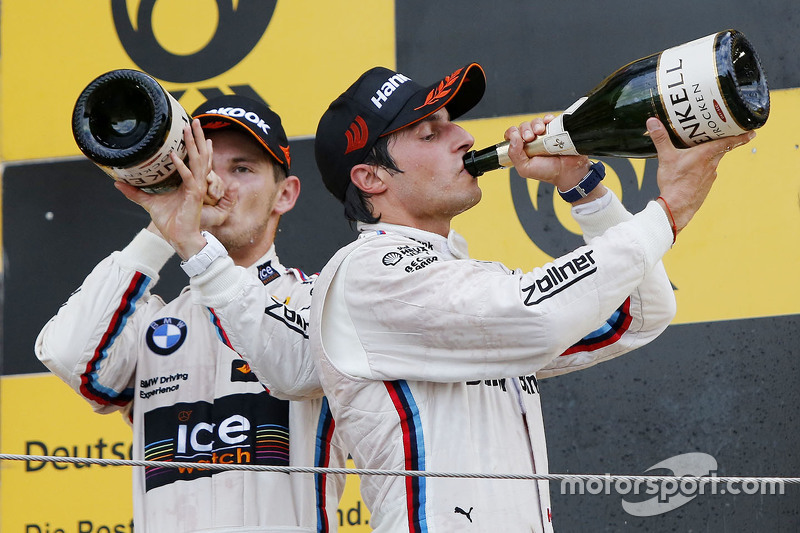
465	140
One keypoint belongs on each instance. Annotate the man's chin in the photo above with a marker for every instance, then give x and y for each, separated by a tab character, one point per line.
222	235
469	203
476	198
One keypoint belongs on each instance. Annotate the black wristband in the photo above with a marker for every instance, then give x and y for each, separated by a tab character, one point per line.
597	171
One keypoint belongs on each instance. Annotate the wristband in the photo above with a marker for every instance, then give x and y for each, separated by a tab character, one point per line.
199	262
597	171
671	220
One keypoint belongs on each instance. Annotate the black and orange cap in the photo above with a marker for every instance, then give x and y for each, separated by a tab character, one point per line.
381	102
252	116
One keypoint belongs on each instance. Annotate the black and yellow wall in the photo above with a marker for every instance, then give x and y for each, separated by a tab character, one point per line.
721	380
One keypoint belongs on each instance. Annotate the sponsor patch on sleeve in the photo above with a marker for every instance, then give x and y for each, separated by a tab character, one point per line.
410	257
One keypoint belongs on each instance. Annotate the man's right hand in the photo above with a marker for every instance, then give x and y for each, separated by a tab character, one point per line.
562	171
685	176
214	214
179	215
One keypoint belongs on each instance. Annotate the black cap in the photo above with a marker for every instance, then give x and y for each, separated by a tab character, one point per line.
381	102
250	115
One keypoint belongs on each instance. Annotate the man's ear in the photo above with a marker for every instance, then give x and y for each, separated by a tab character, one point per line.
287	195
366	178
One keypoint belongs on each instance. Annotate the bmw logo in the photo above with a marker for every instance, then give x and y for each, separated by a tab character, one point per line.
166	335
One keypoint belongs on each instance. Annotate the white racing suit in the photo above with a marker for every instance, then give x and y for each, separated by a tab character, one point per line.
430	360
172	371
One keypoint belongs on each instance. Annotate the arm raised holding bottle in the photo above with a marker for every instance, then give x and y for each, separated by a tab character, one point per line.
685	175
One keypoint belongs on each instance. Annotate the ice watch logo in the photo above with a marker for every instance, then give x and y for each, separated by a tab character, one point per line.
674	494
240	26
539	220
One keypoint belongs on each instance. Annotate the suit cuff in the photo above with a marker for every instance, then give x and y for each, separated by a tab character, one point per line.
147	253
219	285
596	217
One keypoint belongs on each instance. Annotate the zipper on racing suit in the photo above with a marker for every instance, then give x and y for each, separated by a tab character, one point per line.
524	413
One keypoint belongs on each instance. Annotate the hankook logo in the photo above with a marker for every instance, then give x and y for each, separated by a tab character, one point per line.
238	112
389	86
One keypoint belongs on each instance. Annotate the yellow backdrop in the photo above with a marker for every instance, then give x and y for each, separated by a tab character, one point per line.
308	55
42	416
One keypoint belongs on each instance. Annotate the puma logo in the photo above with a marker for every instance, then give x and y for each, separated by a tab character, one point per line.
459	510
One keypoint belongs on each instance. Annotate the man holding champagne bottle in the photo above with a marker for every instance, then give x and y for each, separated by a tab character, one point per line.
175	369
429	359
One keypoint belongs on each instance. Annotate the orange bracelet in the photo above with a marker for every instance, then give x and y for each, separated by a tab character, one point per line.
671	219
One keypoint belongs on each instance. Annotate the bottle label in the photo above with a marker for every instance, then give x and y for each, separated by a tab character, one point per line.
557	139
159	167
690	93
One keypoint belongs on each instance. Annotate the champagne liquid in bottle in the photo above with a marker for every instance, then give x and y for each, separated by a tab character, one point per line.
706	89
127	124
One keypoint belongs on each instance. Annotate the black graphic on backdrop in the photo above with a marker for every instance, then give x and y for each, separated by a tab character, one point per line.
238	31
543	227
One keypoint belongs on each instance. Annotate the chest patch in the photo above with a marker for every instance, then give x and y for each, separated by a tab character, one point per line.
165	335
266	273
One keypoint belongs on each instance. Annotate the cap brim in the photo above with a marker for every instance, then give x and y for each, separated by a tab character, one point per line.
459	92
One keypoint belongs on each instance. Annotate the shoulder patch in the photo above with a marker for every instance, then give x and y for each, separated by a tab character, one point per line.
410	257
391	259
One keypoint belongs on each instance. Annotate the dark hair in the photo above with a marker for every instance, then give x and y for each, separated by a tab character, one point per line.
357	207
279	170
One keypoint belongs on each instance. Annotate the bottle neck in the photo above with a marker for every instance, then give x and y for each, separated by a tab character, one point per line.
494	157
476	162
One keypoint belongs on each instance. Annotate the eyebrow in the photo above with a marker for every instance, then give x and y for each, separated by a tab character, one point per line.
435	116
244	159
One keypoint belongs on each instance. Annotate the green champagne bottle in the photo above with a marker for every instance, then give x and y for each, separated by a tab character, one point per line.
710	88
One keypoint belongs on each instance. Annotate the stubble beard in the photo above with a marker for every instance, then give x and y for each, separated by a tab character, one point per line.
469	202
235	241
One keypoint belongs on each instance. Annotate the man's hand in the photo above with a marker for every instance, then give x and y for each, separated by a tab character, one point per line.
179	214
215	190
563	171
215	214
685	176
